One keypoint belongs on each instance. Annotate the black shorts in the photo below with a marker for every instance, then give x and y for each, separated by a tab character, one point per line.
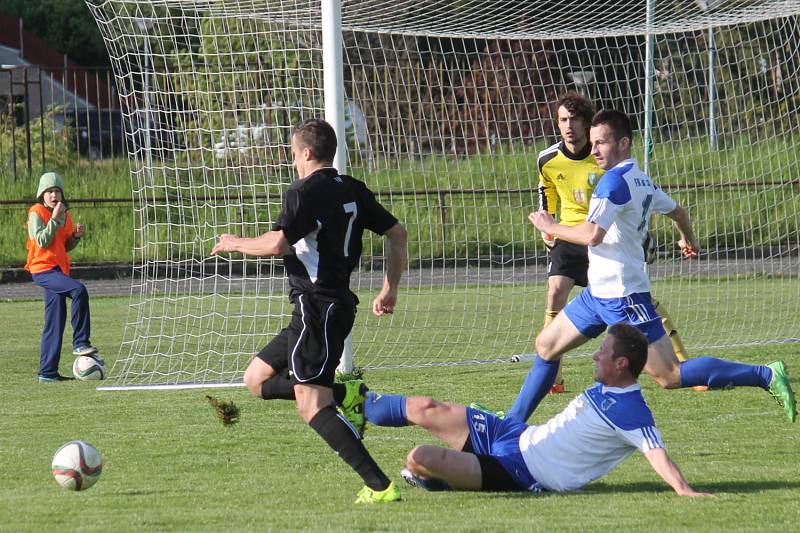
570	260
310	347
494	478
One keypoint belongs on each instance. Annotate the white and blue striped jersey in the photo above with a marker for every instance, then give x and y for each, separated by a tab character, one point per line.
622	204
598	430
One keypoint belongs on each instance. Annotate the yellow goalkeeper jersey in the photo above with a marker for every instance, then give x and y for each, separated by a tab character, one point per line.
566	182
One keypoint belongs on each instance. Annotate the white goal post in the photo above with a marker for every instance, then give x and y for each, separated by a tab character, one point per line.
445	106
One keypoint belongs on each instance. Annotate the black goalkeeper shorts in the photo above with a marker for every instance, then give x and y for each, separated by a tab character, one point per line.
570	260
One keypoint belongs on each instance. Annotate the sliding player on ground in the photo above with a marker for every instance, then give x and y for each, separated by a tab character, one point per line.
598	430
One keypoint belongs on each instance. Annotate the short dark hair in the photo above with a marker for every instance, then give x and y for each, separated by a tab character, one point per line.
318	136
578	105
631	344
617	121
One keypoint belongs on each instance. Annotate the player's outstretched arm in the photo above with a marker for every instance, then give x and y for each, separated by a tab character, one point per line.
670	473
687	242
585	233
397	258
270	244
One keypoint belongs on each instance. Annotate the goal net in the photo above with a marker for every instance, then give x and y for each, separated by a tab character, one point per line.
448	105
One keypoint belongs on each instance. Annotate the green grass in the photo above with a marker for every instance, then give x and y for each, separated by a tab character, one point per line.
436	326
451	221
171	466
109	226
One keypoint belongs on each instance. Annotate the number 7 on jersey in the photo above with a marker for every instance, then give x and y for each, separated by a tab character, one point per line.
350	208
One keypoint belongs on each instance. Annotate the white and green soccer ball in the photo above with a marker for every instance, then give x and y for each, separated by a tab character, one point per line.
77	465
87	368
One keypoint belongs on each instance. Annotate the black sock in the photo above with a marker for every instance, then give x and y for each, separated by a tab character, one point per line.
278	387
344	440
339	392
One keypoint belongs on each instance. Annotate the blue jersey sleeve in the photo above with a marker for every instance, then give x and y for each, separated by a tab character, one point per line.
625	409
629	414
613	186
610	195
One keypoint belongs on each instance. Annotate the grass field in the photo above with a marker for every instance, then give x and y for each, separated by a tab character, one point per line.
457	210
170	465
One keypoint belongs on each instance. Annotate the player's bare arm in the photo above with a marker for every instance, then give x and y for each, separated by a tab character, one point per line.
670	473
687	242
270	244
585	233
397	258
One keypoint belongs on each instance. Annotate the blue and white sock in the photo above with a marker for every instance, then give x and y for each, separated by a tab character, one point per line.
537	384
718	373
385	409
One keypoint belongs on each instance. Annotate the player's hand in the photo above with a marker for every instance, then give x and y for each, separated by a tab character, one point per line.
549	240
542	220
226	243
384	303
80	229
688	249
59	210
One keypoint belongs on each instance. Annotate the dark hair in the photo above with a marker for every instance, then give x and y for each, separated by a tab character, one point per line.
617	121
318	136
631	344
578	105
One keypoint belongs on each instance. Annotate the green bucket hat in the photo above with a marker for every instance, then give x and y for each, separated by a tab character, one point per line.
48	181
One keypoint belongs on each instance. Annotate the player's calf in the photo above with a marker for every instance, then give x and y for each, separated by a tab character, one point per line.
662	365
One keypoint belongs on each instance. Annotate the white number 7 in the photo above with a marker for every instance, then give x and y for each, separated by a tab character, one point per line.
352	209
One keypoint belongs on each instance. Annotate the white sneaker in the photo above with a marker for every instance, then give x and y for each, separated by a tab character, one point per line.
87	349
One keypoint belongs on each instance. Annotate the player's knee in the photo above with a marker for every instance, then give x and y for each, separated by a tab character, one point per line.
667	380
253	382
254	388
668	383
417	406
545	348
419	458
558	291
413	459
79	293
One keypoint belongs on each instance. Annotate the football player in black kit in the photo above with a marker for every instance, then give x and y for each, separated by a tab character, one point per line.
318	234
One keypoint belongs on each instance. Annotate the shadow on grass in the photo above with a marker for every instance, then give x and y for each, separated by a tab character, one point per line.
722	487
140	492
732	487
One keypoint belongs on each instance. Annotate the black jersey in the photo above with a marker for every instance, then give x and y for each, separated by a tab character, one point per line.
323	217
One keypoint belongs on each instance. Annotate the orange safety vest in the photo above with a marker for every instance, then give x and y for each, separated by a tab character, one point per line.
44	259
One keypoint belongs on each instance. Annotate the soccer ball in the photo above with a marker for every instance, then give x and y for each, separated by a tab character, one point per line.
77	465
86	368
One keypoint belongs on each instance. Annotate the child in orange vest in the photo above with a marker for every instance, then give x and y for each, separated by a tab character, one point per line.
51	234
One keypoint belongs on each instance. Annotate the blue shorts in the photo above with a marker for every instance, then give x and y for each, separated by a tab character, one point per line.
593	315
499	438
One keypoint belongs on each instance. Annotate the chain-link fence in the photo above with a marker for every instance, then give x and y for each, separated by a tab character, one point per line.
56	118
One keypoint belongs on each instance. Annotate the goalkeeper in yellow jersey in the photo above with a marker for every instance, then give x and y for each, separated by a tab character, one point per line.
568	174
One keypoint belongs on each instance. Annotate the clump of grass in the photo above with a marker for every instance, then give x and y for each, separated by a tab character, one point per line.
226	410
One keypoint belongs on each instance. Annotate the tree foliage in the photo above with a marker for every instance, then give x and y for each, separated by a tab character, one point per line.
65	25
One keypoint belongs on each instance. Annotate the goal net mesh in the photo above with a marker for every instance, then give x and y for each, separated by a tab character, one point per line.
447	106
